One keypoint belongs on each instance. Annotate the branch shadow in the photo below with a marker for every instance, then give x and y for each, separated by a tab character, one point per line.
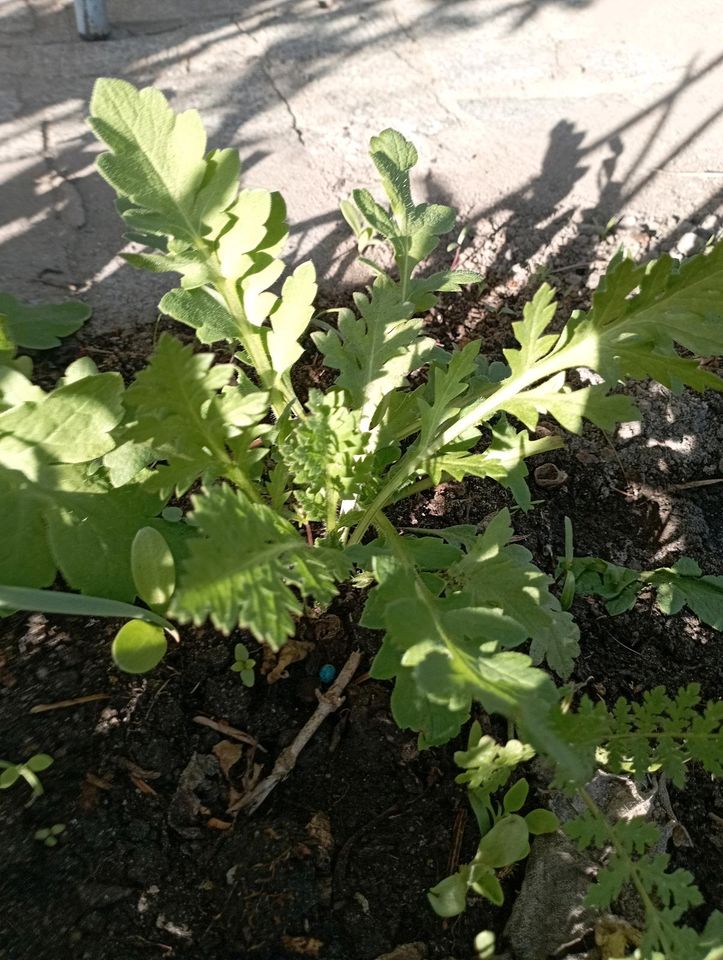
52	204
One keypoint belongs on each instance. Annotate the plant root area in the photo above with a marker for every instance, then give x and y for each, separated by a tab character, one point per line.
337	861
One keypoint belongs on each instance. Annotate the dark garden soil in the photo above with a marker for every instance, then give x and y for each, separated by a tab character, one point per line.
337	862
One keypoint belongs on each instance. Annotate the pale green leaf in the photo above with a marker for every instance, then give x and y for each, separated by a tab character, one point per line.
449	897
139	646
74	605
156	158
541	821
290	318
506	843
153	568
202	311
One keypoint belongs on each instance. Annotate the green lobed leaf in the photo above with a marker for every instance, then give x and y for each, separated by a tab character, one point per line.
72	424
324	455
156	157
503	460
246	566
497	573
290	318
375	352
180	409
40	326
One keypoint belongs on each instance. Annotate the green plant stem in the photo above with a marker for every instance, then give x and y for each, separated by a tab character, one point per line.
234	473
281	391
481	412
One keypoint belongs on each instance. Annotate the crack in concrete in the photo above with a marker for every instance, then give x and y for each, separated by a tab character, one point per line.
412	66
284	99
274	85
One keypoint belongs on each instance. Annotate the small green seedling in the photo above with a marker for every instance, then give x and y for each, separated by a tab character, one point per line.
49	835
243	664
12	772
507	842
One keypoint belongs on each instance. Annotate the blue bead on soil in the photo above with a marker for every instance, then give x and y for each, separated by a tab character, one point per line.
327	673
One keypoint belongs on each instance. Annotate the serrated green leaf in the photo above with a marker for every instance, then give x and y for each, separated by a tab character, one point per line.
324	456
503	460
246	232
251	589
537	316
72	424
199	309
572	407
393	156
675	303
375	214
179	409
675	589
376	351
499	574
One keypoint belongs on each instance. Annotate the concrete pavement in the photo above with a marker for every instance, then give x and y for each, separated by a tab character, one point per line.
522	109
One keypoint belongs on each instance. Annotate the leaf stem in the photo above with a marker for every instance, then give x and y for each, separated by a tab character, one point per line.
477	413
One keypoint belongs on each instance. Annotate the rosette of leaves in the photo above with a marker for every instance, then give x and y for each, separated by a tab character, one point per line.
325	455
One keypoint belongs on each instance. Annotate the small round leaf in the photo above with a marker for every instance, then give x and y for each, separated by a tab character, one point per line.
449	896
484	944
542	821
139	647
506	843
172	514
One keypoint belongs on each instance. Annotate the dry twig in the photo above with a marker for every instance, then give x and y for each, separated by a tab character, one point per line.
286	761
74	702
220	726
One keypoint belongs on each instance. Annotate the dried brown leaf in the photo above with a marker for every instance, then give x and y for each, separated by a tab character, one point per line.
292	652
227	754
